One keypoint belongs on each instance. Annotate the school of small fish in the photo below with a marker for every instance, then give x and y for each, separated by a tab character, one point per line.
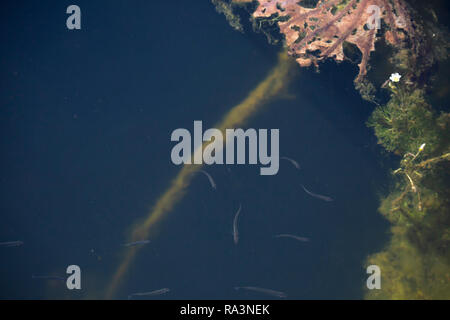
235	233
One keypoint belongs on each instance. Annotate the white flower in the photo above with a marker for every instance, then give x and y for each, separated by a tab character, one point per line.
422	147
395	77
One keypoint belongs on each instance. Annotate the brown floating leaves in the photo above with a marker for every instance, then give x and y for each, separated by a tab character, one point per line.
317	29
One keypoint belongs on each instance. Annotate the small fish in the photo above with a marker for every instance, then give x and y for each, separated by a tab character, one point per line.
9	244
303	239
269	292
149	294
235	225
135	243
58	278
318	196
295	163
211	181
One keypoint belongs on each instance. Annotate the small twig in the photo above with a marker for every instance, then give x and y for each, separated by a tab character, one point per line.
420	202
413	187
425	163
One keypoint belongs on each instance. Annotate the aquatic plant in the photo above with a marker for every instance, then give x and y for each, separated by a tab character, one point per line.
317	30
407	121
416	262
226	9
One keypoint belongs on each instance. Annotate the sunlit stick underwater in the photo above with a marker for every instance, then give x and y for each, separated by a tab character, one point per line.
273	84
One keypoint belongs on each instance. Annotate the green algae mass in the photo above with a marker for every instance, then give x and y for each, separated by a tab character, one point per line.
410	272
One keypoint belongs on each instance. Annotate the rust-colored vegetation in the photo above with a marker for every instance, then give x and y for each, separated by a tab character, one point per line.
315	30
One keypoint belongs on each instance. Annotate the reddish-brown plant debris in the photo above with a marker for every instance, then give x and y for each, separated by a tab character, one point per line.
319	31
